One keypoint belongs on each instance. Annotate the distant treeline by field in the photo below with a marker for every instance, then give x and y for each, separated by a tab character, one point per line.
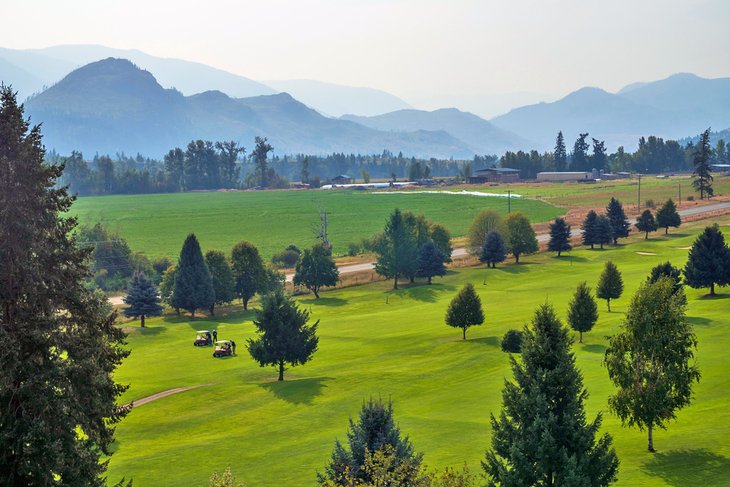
206	165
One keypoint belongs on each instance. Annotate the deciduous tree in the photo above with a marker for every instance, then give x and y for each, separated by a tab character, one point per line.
559	236
465	310
646	223
248	271
610	284
284	336
221	276
666	269
441	238
316	269
542	437
582	310
668	216
651	360
708	262
486	221
519	235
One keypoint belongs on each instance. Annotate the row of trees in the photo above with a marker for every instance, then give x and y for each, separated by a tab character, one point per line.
490	237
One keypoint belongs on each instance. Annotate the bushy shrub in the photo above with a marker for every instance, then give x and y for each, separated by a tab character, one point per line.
353	249
512	341
286	258
690	198
650	203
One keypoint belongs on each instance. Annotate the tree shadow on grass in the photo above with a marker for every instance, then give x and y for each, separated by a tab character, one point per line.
596	348
710	297
690	467
699	320
513	268
297	391
570	258
488	341
334	302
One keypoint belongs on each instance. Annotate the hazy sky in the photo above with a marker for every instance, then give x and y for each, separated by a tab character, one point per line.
414	49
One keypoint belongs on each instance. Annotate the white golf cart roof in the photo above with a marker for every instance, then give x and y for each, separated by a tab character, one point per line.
202	332
222	342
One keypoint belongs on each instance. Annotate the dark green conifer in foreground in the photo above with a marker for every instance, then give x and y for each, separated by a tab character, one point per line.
465	310
582	310
610	284
59	343
541	437
430	262
375	430
193	286
142	299
493	250
603	231
559	236
708	262
588	228
668	216
619	223
397	249
646	223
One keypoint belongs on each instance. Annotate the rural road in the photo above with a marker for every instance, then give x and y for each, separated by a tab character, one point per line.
460	252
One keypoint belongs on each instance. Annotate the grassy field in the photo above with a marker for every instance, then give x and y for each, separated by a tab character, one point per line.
376	342
158	224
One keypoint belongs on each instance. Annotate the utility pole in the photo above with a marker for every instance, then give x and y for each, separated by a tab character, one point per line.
679	186
509	198
638	201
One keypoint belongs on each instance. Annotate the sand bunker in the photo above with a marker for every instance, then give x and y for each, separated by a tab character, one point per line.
646	253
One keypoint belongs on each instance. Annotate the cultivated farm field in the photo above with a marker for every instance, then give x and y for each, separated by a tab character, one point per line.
157	224
377	342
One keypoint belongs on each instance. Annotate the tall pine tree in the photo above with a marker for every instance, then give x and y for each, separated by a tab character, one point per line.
560	155
193	287
542	437
142	299
708	262
619	222
588	228
702	175
603	230
397	249
559	236
59	347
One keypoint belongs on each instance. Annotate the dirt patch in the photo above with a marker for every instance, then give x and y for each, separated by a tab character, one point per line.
646	253
169	392
684	248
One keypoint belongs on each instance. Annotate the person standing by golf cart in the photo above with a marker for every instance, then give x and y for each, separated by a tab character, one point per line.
215	336
233	347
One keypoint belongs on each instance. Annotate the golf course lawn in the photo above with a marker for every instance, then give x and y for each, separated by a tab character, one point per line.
376	342
157	224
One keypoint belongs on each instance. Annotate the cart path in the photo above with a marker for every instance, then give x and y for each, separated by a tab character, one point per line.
169	392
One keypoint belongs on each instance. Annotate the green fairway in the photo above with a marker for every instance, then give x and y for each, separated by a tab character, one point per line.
157	224
375	342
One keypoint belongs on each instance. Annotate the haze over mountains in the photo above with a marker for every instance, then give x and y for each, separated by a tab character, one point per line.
113	106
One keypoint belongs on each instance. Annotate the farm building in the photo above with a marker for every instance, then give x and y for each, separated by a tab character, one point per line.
495	175
564	176
341	179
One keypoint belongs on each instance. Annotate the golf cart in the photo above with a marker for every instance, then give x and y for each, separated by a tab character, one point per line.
203	338
223	349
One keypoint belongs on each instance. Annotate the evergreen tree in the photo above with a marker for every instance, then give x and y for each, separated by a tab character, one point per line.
221	276
519	237
560	155
702	177
559	236
646	223
260	157
493	250
603	231
599	158
542	437
667	216
588	229
284	336
59	345
708	262
193	286
396	248
610	284
375	431
651	360
442	240
582	310
248	271
430	262
579	157
316	269
619	222
142	299
667	270
465	310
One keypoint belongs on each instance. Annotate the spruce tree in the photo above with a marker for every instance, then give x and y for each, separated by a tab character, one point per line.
582	310
542	437
193	286
619	223
284	336
519	235
374	431
397	249
646	223
560	155
143	299
588	228
559	236
221	276
702	177
430	262
465	310
493	250
603	231
668	216
60	347
708	262
249	273
666	269
610	284
651	360
316	268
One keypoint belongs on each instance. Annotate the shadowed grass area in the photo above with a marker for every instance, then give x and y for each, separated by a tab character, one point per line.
443	388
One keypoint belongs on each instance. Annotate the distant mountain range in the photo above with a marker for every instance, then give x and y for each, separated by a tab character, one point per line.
113	106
